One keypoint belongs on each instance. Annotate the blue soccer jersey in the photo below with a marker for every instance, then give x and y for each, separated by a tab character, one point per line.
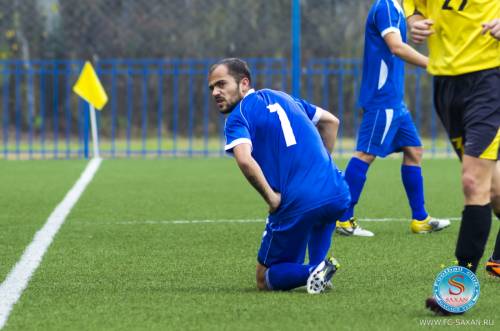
287	146
383	73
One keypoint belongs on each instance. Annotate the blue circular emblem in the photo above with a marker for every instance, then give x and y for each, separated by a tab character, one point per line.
456	289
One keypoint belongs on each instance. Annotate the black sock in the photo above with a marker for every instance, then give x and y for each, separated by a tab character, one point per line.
496	251
473	235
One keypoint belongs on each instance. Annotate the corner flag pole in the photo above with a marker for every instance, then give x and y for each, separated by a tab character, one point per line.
89	88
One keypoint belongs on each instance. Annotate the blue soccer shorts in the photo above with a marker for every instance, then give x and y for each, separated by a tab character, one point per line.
285	240
385	131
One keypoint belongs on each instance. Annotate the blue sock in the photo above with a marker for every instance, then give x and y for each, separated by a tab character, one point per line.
320	242
355	176
287	276
414	186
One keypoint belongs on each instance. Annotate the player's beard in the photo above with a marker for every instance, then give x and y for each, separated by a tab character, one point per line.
232	102
229	108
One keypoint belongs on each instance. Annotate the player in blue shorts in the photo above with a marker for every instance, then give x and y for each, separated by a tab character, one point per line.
387	126
283	145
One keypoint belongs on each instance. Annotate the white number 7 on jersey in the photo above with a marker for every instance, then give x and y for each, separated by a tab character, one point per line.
285	123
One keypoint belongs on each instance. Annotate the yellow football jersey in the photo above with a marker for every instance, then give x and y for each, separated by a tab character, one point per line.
457	45
410	7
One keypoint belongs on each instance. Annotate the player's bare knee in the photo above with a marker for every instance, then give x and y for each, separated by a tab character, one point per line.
469	185
368	158
475	191
413	155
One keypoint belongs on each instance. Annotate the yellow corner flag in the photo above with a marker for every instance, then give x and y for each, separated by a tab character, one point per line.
89	87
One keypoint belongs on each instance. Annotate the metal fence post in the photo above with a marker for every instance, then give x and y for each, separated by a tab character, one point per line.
296	61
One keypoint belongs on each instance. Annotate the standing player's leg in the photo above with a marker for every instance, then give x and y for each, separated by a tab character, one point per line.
413	181
469	108
480	145
477	177
493	264
370	137
408	140
355	176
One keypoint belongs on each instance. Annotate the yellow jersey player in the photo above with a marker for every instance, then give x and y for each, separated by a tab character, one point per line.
464	57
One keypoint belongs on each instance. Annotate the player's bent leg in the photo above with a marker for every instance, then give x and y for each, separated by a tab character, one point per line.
283	249
324	224
281	255
320	242
287	276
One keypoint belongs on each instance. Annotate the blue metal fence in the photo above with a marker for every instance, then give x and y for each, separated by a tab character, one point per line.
162	107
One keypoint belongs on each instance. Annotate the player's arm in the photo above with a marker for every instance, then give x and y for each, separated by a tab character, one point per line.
253	173
326	123
405	51
493	27
328	127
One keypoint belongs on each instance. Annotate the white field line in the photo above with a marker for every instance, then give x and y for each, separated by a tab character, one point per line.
243	221
18	278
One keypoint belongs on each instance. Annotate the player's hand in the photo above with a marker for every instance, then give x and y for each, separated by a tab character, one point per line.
274	202
493	27
420	30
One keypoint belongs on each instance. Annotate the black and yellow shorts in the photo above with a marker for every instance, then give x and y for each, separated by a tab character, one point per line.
469	108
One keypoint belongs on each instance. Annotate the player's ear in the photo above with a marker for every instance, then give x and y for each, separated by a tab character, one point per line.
244	85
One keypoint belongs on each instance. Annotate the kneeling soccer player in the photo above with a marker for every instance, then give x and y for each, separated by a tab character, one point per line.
282	145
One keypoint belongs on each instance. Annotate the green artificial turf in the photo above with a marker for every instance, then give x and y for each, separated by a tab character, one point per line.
125	259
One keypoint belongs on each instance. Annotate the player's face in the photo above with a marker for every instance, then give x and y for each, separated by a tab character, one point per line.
225	91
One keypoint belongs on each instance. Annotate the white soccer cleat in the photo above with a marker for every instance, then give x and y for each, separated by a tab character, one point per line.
428	225
320	277
352	228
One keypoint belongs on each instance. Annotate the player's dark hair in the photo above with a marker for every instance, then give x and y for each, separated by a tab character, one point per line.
237	68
